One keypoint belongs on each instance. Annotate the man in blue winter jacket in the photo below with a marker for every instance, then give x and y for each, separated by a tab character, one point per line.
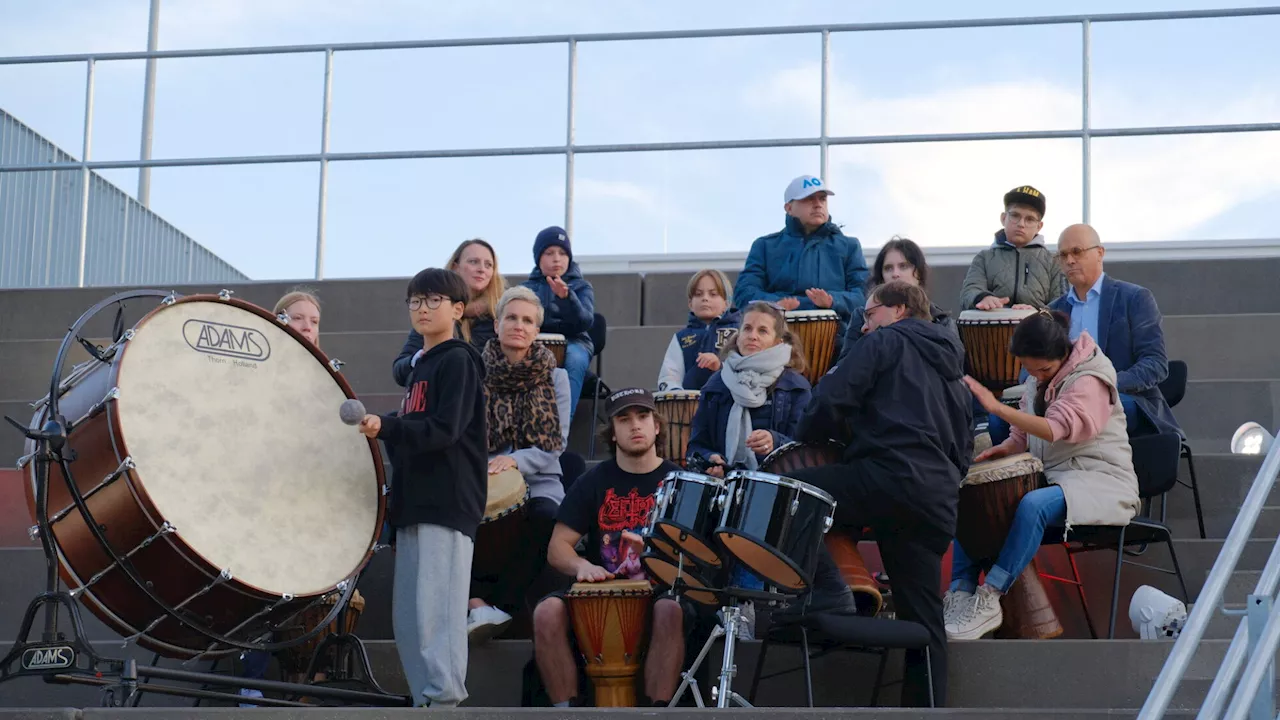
808	265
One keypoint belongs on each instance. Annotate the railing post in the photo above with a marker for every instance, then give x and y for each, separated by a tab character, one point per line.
568	137
322	201
826	95
85	175
149	106
1258	611
1086	160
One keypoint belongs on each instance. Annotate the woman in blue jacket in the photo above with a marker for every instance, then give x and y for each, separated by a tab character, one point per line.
569	301
753	404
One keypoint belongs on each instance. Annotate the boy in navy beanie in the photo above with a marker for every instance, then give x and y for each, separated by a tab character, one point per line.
569	302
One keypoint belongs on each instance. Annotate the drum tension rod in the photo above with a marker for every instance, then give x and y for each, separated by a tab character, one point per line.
224	576
165	529
261	638
125	466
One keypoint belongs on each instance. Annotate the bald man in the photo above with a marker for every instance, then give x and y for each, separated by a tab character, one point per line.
1125	322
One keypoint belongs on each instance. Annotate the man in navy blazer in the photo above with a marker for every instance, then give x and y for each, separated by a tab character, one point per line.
1125	322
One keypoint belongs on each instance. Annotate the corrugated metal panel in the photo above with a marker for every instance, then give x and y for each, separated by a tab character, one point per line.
126	244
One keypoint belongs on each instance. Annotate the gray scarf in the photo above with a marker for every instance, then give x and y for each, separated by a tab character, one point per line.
749	379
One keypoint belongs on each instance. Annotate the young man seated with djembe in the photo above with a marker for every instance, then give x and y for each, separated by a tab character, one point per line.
611	499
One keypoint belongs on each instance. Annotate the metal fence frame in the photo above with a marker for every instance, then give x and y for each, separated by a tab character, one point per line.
823	141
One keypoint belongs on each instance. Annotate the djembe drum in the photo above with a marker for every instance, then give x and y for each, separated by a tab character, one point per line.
500	529
843	548
989	499
986	335
296	659
554	342
816	331
678	407
610	622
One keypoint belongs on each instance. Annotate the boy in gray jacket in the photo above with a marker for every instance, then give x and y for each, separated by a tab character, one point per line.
1017	271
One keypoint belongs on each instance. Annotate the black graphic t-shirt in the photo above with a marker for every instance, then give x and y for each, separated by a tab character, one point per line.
604	502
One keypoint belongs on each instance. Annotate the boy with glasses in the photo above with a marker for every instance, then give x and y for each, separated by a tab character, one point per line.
439	459
1017	271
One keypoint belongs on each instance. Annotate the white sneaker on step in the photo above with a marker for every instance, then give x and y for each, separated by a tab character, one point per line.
952	603
977	617
486	622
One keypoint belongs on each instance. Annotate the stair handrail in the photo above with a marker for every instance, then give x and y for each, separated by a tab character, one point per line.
1210	599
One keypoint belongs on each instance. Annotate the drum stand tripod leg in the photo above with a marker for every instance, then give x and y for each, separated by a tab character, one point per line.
690	682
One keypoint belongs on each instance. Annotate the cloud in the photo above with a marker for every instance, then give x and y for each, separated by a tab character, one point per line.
947	193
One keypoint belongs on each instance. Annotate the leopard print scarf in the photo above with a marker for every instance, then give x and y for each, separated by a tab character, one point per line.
520	400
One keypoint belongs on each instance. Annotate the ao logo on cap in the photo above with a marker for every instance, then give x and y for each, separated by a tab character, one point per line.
812	182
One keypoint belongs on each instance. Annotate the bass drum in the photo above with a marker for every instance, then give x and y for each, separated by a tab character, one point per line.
212	458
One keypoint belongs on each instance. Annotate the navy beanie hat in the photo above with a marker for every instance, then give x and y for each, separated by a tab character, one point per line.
548	237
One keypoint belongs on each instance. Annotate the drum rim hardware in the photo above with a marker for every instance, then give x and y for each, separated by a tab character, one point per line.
78	662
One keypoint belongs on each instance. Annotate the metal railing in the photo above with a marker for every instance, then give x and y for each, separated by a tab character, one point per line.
823	141
1253	648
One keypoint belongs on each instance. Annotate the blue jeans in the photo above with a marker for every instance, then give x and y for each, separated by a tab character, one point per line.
1133	417
1039	509
577	357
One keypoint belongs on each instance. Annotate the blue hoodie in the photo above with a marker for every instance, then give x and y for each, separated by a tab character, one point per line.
572	316
680	369
780	415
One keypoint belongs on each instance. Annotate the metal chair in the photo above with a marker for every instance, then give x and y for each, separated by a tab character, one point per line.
1173	389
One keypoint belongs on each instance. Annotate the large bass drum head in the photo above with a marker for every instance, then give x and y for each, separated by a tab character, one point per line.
233	424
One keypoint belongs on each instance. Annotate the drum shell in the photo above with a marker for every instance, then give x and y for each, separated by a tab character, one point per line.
556	343
986	346
297	658
781	518
126	515
687	512
816	335
797	456
678	409
985	514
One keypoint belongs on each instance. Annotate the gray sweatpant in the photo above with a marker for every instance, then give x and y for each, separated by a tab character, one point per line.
429	611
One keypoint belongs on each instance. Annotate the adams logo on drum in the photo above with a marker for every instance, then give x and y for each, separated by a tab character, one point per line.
234	341
57	657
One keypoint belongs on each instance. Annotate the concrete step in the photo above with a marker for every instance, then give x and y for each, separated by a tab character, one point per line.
24	577
579	714
1218	522
361	305
1105	674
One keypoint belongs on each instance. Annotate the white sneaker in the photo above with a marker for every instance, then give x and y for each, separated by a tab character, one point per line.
486	622
977	617
952	602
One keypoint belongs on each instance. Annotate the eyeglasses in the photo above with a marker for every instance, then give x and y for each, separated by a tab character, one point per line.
1018	218
1075	253
868	309
432	302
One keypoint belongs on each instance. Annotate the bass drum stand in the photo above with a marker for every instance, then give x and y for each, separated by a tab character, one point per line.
55	658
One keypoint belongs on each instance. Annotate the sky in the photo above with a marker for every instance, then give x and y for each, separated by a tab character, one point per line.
391	218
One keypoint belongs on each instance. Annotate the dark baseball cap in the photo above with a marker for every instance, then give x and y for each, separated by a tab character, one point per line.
628	398
1026	195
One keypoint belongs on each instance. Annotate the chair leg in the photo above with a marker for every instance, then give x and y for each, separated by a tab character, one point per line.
1115	588
928	676
808	669
875	691
1177	570
1195	487
755	681
1084	603
595	411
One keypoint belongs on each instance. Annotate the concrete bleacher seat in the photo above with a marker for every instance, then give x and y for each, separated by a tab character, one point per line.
1220	316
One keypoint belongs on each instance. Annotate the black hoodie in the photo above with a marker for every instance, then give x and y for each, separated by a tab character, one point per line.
439	443
899	402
